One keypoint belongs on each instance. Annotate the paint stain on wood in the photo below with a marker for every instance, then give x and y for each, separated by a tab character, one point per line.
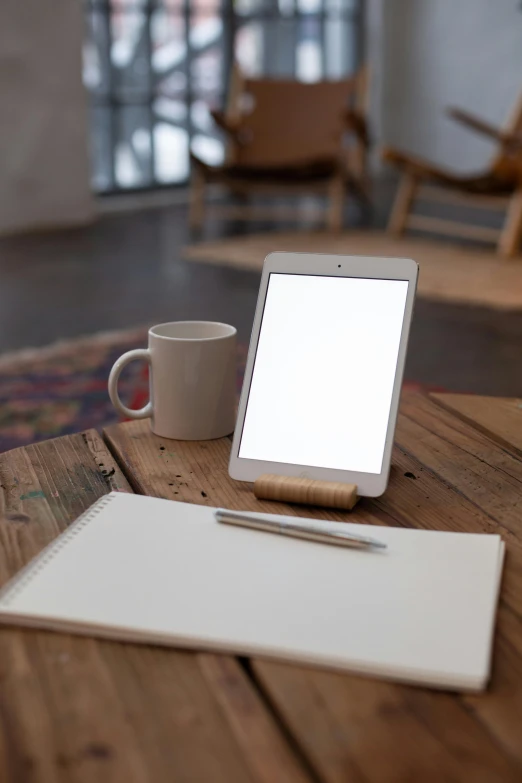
34	495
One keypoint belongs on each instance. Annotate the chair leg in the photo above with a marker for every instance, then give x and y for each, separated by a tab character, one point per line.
402	204
197	200
361	158
335	209
511	235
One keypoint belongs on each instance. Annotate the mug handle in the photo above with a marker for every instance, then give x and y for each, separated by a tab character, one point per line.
141	413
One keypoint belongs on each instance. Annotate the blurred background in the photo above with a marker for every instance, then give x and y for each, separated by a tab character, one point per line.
153	151
154	70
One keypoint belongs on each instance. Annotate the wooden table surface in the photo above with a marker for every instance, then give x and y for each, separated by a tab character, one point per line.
82	710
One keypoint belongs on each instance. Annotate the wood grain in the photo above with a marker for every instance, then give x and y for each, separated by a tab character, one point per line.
44	487
362	730
500	420
75	709
266	750
488	480
197	472
445	475
308	492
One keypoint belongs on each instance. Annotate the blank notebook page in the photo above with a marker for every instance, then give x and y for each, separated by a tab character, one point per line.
146	569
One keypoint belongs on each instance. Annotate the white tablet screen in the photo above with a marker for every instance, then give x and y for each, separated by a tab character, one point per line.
324	371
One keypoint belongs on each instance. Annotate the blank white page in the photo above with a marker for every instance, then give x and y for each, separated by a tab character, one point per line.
324	371
154	570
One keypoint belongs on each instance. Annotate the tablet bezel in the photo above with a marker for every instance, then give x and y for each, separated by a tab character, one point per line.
369	484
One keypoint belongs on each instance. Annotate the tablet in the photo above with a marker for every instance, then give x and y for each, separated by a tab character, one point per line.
324	369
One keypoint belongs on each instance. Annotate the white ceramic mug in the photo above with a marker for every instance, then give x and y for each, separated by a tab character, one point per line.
192	380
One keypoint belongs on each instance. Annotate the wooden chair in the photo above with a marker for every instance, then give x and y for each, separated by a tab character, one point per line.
498	187
288	136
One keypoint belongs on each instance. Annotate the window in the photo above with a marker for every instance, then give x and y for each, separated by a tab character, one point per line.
155	68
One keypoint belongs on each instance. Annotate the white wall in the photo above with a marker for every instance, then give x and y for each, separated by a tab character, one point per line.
44	161
428	54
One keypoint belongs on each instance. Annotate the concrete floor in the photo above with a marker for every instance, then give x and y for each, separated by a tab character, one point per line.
126	270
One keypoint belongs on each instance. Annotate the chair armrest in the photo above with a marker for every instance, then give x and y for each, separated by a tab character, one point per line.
355	122
478	125
231	128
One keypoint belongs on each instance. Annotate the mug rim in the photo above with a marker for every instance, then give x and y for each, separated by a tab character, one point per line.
232	332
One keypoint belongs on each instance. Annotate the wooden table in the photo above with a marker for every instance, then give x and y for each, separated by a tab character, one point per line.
76	709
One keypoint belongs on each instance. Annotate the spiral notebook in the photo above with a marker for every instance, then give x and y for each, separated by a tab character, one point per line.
149	570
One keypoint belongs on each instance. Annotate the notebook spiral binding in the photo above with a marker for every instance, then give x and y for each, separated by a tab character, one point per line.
38	563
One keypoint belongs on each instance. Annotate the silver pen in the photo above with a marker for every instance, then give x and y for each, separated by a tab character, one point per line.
313	532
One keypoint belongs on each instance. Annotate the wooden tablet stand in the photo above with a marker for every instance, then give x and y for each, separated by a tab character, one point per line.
310	492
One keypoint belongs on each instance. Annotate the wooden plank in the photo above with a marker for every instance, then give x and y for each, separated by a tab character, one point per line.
500	419
480	489
357	729
45	486
363	730
466	460
266	749
78	709
488	481
194	472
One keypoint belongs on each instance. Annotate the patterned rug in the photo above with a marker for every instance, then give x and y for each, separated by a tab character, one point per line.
61	389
